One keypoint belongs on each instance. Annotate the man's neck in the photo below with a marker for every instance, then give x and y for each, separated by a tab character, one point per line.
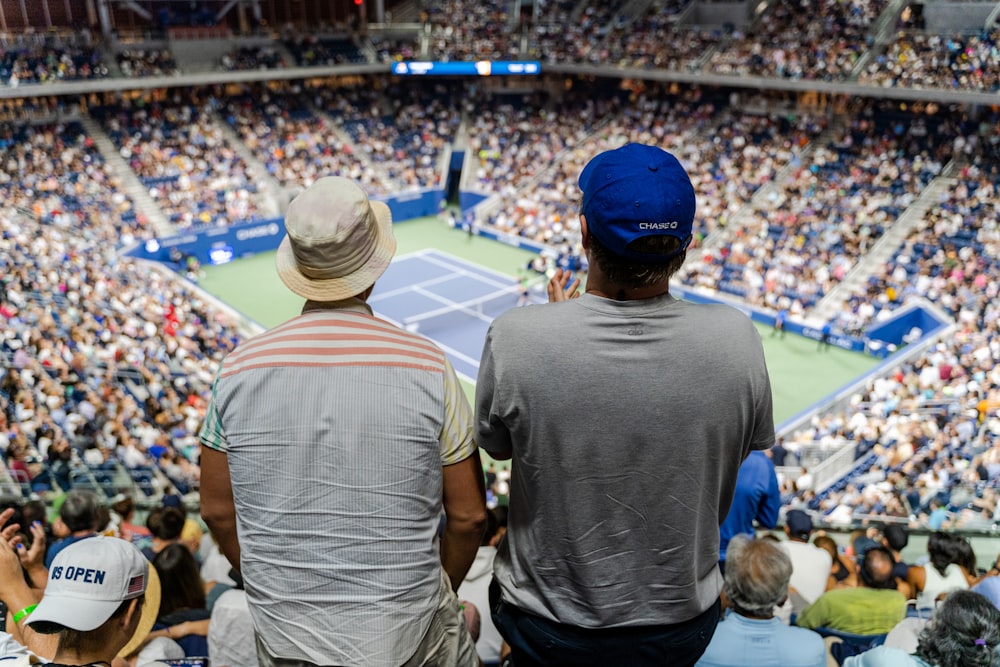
82	656
622	293
354	303
598	285
746	614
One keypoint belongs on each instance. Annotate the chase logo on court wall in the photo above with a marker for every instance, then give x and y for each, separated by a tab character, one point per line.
270	229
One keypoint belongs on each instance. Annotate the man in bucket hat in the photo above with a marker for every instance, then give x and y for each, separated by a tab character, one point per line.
331	446
626	414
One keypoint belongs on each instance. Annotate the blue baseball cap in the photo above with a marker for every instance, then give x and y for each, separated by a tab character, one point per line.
637	191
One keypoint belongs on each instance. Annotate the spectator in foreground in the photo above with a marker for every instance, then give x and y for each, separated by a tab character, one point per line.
100	602
78	517
810	564
756	499
617	501
475	589
871	608
757	576
375	417
964	632
941	575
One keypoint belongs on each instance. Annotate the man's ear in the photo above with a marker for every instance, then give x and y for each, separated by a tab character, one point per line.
585	236
130	619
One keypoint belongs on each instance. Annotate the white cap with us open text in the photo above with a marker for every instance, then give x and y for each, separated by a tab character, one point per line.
89	580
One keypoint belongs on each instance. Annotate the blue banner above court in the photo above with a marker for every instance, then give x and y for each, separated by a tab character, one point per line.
470	68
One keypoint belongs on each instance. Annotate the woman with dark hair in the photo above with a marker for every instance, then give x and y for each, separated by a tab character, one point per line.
841	570
964	632
942	575
166	524
183	614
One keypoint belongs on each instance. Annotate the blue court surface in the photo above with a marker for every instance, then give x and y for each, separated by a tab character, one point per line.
447	299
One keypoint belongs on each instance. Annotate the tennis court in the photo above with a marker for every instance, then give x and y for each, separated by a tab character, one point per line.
448	299
461	269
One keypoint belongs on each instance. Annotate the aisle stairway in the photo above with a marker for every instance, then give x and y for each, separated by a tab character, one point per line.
888	245
271	197
131	185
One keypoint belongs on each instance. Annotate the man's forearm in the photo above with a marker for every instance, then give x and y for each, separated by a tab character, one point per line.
218	507
223	529
459	544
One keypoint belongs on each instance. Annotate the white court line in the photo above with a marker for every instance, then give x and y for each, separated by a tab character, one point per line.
459	267
454	305
459	260
470	274
409	288
447	348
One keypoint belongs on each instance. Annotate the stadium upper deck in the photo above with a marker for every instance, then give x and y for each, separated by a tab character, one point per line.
939	50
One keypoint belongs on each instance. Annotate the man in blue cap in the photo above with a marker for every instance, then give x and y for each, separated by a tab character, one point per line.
626	414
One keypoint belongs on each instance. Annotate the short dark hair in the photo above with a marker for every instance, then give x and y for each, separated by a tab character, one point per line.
876	569
79	510
51	627
635	273
943	550
896	536
166	523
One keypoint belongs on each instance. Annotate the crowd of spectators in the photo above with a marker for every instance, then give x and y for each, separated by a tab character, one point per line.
927	436
514	141
654	40
38	59
823	43
403	130
146	62
793	247
252	57
296	145
387	139
55	172
315	51
181	155
952	61
949	257
107	362
483	32
731	153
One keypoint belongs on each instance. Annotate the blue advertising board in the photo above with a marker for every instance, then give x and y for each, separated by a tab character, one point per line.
467	68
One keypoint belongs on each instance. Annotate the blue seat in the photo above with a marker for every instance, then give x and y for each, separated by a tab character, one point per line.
850	644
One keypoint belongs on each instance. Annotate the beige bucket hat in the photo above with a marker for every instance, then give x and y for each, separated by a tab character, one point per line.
337	241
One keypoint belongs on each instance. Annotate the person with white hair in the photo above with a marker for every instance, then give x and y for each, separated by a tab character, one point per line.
757	575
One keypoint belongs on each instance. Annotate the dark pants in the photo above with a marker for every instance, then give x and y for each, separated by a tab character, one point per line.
538	642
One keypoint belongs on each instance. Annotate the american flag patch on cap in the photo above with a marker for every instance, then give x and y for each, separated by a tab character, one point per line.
136	585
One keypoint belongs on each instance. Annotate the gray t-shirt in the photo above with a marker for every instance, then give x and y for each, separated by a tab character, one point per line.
627	422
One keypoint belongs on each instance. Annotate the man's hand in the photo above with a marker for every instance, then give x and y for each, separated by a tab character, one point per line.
563	286
33	558
11	576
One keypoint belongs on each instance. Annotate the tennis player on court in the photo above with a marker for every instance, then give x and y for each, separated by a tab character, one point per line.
626	414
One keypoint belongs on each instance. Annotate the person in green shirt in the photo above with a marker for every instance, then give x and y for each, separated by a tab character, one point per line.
873	608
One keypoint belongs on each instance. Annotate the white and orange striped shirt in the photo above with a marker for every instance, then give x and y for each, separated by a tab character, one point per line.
336	426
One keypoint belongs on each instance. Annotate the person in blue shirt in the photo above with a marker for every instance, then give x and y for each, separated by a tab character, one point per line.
757	498
757	576
77	521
